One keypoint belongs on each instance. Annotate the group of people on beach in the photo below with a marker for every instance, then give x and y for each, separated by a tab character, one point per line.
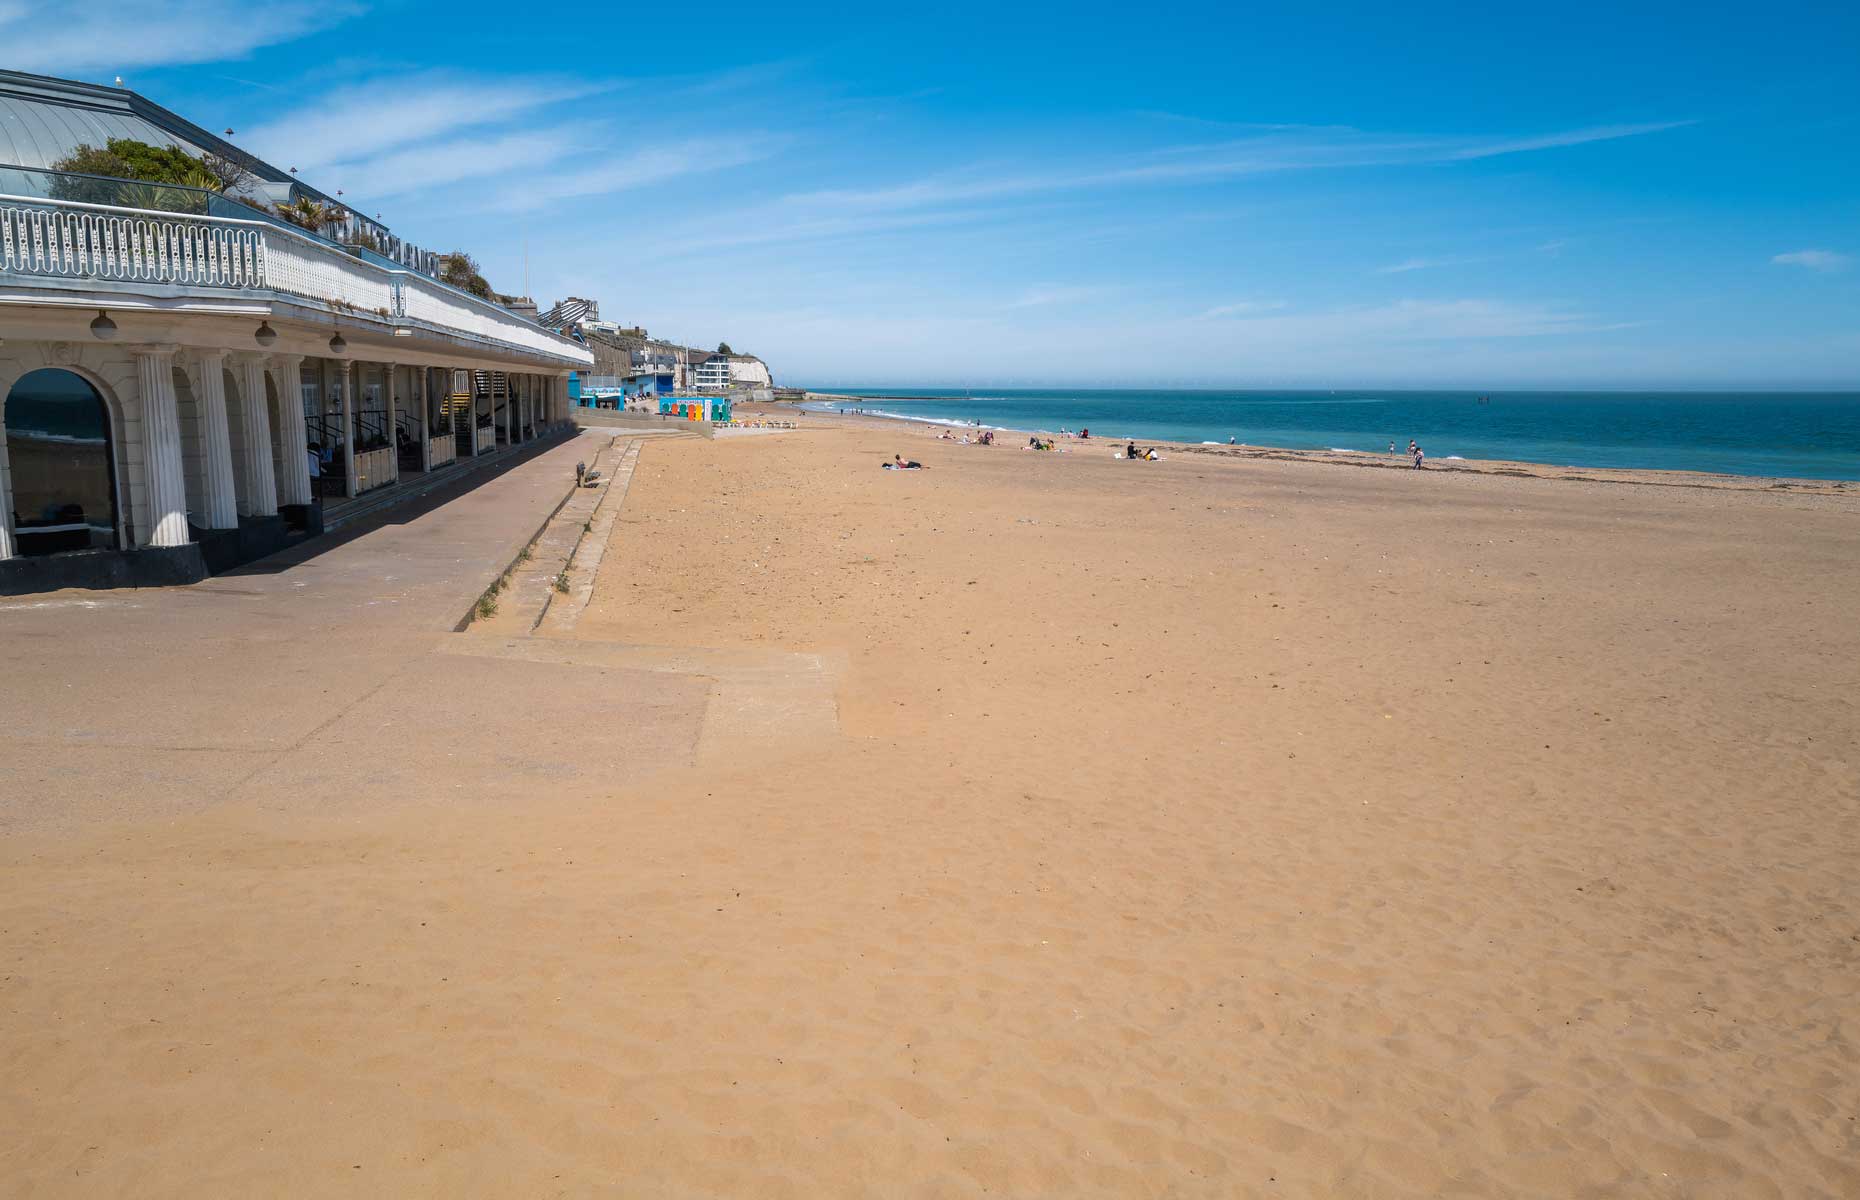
1034	442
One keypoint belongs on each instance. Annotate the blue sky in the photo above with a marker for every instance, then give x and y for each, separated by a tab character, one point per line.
1220	195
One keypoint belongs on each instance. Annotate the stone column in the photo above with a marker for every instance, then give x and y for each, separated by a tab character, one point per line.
6	511
261	482
222	503
471	386
426	418
351	379
161	425
390	376
293	439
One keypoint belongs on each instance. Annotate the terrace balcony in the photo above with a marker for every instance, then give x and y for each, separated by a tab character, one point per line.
163	246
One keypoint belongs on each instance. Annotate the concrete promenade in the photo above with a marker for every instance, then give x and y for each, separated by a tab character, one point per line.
309	677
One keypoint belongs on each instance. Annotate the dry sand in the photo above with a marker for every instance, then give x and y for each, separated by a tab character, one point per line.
1197	828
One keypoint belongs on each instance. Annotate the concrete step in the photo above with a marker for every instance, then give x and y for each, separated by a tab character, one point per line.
530	585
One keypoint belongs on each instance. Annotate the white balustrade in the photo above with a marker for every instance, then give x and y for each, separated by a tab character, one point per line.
306	268
140	247
431	302
67	240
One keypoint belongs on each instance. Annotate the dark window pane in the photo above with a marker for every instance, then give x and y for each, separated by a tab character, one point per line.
58	446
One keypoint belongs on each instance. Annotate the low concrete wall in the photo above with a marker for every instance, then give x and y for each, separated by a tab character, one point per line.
152	566
607	418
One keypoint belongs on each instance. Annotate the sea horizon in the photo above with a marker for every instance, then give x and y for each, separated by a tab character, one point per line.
1769	433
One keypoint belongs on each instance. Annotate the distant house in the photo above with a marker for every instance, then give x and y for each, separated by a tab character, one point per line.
711	374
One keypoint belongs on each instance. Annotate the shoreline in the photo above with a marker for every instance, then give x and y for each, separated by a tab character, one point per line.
1644	476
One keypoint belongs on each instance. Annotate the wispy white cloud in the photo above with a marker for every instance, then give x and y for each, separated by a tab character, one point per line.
125	34
453	160
1272	149
773	226
1242	308
1570	137
641	168
1429	320
353	124
1814	260
1044	295
1422	264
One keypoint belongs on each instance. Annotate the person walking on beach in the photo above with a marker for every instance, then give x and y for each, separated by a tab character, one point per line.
1420	456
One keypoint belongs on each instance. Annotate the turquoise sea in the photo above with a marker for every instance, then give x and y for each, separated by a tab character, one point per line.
1809	435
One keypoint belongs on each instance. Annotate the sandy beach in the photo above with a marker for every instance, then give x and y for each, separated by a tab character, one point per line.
1031	825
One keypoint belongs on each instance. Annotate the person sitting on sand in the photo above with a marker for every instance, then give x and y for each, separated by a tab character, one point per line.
898	463
1084	435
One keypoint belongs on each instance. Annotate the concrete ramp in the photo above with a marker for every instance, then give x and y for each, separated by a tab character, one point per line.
759	699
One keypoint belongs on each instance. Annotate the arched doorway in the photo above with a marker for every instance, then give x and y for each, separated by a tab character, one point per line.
62	459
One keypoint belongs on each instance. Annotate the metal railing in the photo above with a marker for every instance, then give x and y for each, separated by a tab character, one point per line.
62	239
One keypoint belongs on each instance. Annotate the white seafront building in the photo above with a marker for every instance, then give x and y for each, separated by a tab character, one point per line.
181	391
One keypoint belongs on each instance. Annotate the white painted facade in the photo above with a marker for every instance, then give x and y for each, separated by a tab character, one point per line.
203	337
713	374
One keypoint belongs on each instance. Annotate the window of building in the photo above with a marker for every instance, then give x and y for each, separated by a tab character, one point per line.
63	464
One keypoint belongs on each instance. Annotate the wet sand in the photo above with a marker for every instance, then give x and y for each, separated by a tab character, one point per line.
1215	827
